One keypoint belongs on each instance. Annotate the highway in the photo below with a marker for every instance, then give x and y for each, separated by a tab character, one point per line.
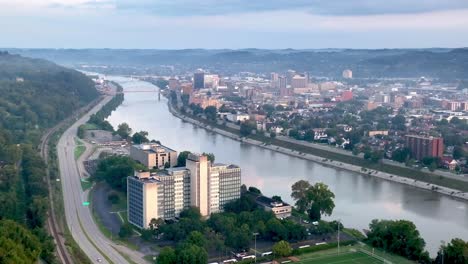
79	219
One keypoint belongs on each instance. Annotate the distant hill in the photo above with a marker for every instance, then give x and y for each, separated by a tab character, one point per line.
438	62
36	94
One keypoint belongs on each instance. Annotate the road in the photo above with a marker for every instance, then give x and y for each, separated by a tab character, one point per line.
79	218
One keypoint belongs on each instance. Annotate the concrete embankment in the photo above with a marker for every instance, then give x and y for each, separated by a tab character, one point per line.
336	164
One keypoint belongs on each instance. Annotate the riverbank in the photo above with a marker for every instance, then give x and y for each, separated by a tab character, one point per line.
231	133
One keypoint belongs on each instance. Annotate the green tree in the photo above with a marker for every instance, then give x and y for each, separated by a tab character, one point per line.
140	137
182	158
167	255
458	152
196	238
455	252
282	249
322	200
115	170
211	157
299	194
397	236
192	254
126	230
211	113
124	130
17	244
247	127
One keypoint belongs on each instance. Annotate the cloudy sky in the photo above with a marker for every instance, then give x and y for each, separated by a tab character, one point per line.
178	24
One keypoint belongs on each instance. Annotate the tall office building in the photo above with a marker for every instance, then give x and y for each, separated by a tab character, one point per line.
422	146
145	199
199	182
166	193
282	82
198	80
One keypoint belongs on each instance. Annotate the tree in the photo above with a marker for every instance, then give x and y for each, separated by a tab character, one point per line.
167	165
322	200
299	194
17	244
458	152
210	113
167	255
398	122
115	170
456	252
282	249
247	127
211	157
140	137
397	236
124	130
126	230
401	154
182	158
254	190
316	199
196	238
192	254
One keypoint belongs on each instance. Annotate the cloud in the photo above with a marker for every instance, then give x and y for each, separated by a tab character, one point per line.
318	7
54	4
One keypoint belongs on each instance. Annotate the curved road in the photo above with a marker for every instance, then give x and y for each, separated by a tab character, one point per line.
79	219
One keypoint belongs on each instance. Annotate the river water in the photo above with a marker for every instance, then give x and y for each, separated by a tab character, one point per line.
359	198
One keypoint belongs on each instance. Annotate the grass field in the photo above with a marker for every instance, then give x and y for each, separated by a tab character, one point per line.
345	258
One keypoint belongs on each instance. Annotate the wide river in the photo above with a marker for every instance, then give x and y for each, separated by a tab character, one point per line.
359	198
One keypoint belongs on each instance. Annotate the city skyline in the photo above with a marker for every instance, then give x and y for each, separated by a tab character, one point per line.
233	24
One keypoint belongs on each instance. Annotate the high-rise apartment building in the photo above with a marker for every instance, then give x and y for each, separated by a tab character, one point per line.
153	155
198	80
166	193
422	146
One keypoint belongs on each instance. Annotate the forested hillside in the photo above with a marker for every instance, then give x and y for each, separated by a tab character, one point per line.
34	95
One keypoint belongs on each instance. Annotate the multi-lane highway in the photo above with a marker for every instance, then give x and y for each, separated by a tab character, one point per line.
79	219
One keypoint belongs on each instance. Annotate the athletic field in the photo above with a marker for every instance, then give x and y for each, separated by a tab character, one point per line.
345	258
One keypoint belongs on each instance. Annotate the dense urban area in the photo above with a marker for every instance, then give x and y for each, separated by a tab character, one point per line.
75	189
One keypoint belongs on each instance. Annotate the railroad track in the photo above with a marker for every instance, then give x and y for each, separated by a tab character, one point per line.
52	224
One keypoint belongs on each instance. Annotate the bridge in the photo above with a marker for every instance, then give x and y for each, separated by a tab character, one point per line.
139	91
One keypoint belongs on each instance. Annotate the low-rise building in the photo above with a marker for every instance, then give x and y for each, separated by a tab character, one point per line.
280	209
154	155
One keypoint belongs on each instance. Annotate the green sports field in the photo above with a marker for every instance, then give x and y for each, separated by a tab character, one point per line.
351	258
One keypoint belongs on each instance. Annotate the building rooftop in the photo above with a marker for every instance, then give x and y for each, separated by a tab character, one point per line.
153	147
266	201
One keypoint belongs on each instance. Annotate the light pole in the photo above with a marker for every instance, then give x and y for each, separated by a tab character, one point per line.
443	250
338	238
255	237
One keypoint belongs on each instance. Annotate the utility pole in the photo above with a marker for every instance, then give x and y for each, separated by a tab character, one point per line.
255	236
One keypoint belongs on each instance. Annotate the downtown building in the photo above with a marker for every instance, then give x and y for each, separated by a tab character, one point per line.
165	194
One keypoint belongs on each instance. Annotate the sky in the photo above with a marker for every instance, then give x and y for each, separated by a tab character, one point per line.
233	24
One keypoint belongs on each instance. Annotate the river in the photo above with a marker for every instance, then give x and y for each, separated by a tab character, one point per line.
359	198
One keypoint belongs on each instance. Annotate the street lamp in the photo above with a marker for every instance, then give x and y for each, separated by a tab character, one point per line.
338	238
255	236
